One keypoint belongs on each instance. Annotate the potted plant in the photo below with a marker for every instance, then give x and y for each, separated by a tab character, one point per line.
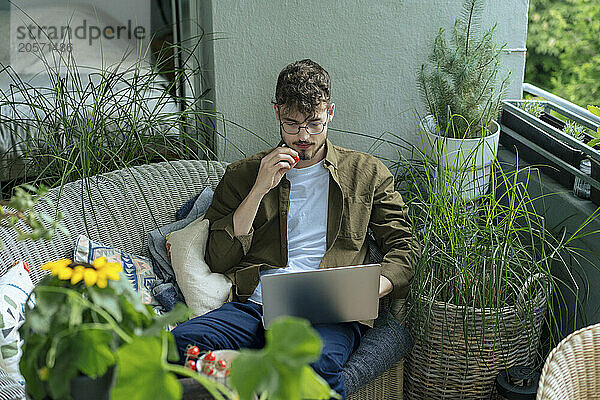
482	286
88	325
462	99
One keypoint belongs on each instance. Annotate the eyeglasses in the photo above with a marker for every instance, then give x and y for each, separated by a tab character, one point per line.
313	128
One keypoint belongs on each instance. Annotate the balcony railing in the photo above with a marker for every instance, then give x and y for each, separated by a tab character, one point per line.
570	110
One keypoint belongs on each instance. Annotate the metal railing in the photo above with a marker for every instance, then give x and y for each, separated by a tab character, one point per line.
566	104
568	109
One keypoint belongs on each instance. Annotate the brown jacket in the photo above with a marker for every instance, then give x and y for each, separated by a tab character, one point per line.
361	195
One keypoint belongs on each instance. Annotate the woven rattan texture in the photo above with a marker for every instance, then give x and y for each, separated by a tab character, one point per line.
117	209
572	370
439	366
9	389
385	387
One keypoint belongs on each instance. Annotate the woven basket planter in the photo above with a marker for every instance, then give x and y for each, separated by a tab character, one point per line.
457	356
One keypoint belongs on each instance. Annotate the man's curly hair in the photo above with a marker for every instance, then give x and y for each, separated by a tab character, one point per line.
303	86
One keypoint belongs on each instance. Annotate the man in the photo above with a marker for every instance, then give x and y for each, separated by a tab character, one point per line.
304	205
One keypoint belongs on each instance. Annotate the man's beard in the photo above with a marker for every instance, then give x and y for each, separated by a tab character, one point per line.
305	155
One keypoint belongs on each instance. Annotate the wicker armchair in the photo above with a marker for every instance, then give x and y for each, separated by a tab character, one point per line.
572	370
120	208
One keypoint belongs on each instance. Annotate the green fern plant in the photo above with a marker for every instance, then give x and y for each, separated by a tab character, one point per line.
461	77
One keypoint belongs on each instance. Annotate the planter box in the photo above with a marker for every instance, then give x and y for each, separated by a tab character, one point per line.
539	132
557	154
595	193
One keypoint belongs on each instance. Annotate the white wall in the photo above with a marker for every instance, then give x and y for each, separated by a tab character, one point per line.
372	51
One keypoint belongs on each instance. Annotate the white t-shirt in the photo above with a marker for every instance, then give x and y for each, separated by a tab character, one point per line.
306	223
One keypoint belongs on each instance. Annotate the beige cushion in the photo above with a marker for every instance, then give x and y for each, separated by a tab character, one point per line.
203	290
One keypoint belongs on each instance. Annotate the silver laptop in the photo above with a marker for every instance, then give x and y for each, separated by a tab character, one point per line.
323	296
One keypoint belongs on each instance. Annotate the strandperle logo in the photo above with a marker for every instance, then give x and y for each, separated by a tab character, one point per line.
83	31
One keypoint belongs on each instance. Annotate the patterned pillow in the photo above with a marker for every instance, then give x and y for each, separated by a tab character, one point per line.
137	269
15	287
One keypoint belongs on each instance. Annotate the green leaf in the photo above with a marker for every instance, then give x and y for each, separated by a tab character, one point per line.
173	352
281	369
314	387
140	372
46	312
289	387
106	299
252	372
136	316
33	350
92	352
65	369
179	313
594	142
293	341
122	286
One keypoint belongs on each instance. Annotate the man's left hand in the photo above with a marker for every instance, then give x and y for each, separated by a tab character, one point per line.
385	286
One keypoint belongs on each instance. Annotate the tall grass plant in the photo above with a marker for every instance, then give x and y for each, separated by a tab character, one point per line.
490	253
64	124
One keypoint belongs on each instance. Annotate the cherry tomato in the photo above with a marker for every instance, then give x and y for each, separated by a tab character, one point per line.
296	158
210	356
192	364
221	364
193	351
209	371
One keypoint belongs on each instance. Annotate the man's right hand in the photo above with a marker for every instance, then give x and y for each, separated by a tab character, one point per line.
272	168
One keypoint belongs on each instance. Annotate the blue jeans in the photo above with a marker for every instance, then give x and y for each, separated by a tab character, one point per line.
239	325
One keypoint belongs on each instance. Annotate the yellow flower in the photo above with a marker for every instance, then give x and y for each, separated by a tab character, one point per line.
60	268
77	274
96	273
106	270
90	276
65	273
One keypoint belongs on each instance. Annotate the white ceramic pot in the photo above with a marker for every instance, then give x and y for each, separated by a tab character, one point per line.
469	161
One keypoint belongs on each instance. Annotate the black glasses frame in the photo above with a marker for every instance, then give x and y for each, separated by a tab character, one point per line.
306	127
